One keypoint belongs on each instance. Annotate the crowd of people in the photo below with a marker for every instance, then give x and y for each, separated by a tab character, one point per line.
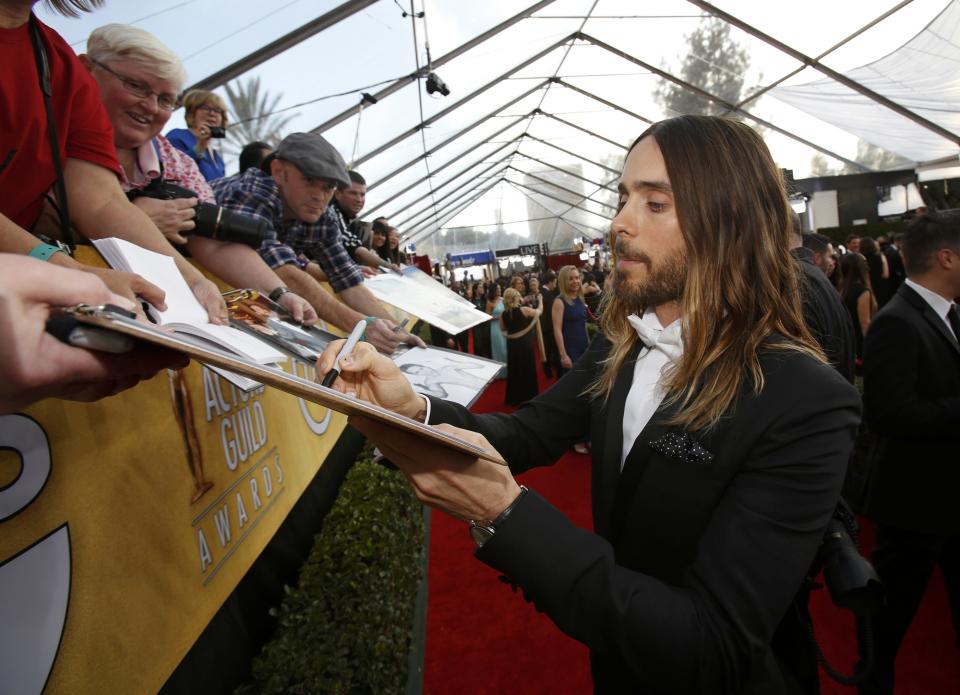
716	395
84	157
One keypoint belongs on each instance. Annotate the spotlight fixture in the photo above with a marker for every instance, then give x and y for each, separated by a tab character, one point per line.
435	84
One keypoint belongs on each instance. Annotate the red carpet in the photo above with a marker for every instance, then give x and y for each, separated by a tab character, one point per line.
483	638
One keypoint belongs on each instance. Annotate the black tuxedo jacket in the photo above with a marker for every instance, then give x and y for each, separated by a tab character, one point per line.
701	542
825	315
911	380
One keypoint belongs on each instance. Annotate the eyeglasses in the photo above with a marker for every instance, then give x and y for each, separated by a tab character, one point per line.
211	109
167	102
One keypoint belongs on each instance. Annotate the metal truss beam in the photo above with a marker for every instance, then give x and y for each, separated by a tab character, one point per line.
584	130
565	171
829	72
403	167
565	202
431	208
424	178
760	92
455	208
285	42
456	212
438	62
560	81
557	217
434	206
562	188
718	100
449	181
440	114
571	153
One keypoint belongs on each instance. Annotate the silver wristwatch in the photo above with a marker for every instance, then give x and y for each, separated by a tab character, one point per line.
482	530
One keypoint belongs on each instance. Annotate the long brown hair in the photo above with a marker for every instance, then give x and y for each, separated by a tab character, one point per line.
854	270
741	283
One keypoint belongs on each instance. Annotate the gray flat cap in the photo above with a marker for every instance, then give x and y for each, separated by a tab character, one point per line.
314	156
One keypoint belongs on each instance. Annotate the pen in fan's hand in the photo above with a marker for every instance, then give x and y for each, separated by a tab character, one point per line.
355	336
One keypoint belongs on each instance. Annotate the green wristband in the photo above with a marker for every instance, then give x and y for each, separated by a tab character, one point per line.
369	320
43	252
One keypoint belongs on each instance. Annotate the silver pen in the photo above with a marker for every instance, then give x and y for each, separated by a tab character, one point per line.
355	336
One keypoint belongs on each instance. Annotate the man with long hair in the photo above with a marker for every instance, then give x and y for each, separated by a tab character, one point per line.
720	436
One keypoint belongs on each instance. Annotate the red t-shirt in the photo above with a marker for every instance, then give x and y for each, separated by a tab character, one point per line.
83	129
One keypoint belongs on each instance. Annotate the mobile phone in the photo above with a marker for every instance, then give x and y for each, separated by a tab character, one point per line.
68	330
100	339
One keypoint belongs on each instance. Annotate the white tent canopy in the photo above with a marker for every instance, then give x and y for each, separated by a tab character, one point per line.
923	76
545	96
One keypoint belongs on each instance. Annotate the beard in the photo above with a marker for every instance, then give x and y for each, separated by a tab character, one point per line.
664	281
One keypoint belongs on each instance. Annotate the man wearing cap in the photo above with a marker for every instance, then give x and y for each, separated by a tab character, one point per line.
291	191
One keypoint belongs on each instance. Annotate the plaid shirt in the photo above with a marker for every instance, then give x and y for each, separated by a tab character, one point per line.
351	242
255	194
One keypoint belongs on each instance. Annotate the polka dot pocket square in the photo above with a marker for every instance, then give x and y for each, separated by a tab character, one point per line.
682	446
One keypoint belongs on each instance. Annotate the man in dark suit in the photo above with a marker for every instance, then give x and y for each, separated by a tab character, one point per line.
548	292
911	382
720	436
823	311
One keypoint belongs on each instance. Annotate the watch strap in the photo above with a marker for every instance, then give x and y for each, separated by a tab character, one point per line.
278	292
483	530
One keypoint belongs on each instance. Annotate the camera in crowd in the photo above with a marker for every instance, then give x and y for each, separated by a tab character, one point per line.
853	584
850	578
211	221
217	131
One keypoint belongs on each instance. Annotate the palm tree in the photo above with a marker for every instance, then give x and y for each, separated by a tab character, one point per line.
251	115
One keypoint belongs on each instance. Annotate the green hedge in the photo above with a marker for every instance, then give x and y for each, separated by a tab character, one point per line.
347	627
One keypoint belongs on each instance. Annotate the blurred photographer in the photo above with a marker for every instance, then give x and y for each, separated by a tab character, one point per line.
131	67
206	117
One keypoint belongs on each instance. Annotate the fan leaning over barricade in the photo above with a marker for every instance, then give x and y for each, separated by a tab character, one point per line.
291	192
138	77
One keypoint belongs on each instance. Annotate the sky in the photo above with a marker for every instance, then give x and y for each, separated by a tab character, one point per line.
377	45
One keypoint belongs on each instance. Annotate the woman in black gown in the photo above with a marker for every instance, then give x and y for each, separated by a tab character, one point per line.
857	294
519	322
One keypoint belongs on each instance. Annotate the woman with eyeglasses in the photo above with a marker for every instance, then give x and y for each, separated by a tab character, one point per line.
206	117
131	66
90	203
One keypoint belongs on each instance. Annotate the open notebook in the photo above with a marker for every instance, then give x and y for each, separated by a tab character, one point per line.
184	313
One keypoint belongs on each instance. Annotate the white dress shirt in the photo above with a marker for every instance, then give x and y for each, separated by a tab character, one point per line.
646	393
940	305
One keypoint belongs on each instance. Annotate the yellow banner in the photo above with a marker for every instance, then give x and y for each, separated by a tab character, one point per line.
126	523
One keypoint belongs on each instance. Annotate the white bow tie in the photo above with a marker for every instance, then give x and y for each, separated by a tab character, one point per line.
666	340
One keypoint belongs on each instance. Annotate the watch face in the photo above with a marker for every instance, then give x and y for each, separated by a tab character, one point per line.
481	534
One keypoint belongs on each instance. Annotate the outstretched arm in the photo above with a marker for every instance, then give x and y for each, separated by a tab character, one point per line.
99	209
35	365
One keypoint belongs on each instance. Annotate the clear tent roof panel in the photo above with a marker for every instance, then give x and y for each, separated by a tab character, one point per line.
458	156
815	26
376	45
923	75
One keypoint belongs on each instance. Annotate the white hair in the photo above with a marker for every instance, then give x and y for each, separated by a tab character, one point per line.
125	42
